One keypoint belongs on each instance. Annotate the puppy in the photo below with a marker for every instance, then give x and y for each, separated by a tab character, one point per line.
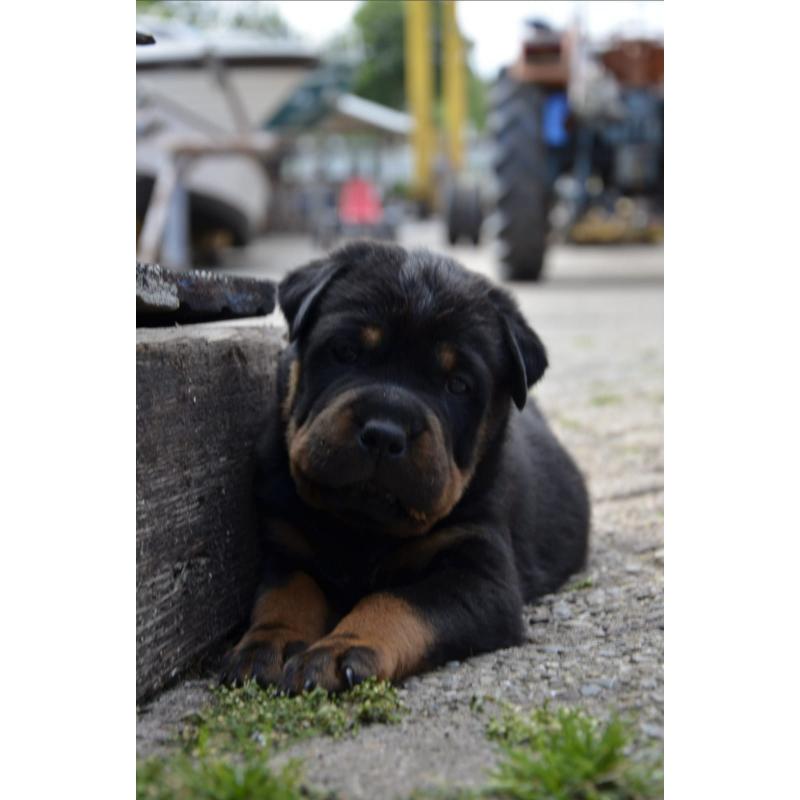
411	496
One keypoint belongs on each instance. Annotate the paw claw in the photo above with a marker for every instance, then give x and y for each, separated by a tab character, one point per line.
328	666
260	663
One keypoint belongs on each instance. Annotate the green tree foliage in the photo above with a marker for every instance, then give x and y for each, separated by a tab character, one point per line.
380	75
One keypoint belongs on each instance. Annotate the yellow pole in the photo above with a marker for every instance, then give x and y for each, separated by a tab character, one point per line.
419	94
454	89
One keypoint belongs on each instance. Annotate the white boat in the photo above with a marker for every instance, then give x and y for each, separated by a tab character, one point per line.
208	90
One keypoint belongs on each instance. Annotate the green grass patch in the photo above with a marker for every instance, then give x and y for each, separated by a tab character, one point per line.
584	583
186	778
251	718
568	755
223	750
606	400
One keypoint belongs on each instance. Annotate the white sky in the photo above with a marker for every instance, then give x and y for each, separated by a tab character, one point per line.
494	25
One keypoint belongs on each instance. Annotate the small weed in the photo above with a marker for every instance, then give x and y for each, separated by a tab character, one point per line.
476	703
567	755
606	400
586	583
568	423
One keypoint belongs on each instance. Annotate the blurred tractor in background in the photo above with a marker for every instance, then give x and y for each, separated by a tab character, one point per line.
579	145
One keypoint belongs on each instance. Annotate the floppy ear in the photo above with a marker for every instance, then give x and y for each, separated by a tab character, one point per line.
527	354
300	290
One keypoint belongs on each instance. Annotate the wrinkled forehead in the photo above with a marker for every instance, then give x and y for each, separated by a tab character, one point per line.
424	297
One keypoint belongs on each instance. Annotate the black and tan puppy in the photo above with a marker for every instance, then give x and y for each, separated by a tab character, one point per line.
409	509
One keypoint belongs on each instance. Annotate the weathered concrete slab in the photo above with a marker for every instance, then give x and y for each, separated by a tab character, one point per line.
203	394
164	297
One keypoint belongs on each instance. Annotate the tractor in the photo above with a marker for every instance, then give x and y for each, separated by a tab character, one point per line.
578	134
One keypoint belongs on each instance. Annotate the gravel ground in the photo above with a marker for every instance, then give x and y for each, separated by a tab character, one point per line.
598	643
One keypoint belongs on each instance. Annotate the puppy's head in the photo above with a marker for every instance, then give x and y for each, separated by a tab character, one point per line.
403	366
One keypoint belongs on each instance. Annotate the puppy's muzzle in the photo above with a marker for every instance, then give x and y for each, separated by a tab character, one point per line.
377	454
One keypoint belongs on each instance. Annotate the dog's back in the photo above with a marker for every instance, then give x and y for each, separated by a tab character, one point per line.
548	508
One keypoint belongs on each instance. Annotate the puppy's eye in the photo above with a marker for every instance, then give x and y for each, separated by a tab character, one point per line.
456	385
345	353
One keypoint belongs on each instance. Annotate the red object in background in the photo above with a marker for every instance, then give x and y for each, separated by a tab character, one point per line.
359	203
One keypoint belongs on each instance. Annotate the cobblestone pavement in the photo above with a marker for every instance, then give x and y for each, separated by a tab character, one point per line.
598	643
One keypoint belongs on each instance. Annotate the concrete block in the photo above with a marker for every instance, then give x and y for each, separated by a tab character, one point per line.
203	395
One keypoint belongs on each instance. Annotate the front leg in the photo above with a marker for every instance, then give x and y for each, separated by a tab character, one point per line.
467	602
291	612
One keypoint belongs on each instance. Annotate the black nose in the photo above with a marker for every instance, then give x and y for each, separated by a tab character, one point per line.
383	437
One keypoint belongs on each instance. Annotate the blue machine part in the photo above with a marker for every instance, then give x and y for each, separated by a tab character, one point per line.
554	118
642	121
637	140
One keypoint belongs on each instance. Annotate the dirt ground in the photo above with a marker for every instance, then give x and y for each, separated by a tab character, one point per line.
597	644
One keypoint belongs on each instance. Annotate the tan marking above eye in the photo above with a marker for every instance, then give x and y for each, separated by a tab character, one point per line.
446	356
371	336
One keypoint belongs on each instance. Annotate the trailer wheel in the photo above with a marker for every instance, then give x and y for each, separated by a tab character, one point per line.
464	214
524	186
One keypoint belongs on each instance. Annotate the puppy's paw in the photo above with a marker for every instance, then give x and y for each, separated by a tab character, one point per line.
261	660
332	665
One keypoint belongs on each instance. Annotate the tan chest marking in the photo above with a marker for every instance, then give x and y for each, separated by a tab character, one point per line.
291	389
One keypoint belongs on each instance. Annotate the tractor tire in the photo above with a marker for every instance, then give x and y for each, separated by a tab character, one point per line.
525	188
